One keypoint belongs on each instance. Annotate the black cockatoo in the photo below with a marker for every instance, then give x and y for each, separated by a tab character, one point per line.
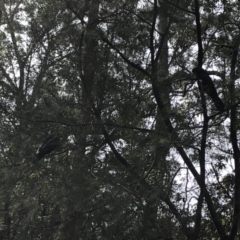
208	87
48	145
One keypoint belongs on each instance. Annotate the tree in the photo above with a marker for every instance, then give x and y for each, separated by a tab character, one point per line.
144	154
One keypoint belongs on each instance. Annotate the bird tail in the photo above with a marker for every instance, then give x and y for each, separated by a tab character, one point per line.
219	104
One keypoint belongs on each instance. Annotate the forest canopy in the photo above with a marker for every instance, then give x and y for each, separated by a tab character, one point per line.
119	119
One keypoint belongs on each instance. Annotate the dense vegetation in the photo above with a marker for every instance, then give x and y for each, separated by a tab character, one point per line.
143	152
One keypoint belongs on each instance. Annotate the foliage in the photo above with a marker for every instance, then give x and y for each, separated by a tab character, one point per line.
144	153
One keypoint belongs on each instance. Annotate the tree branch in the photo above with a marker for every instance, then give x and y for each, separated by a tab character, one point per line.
236	152
134	65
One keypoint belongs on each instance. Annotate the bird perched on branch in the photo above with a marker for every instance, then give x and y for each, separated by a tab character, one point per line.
208	87
48	145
